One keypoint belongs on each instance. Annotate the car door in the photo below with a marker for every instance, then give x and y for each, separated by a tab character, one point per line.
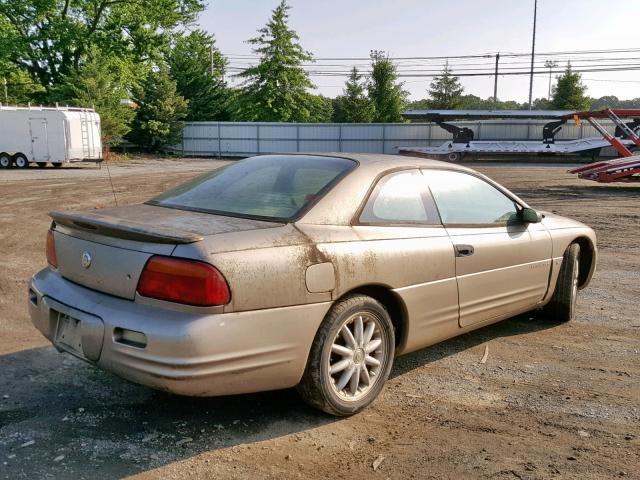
502	263
404	245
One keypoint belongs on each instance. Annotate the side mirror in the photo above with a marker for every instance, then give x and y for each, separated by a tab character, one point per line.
529	215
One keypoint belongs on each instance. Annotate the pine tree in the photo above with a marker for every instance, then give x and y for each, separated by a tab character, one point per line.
160	111
385	92
198	68
102	83
569	92
354	106
445	90
275	90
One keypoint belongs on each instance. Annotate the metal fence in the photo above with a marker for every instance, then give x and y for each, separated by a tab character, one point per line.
250	138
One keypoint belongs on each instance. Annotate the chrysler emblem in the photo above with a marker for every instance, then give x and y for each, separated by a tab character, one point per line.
86	259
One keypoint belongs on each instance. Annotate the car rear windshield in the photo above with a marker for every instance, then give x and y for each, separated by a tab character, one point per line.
271	187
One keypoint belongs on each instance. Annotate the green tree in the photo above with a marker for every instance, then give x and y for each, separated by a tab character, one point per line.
611	101
198	68
160	111
49	38
385	92
320	108
19	87
421	104
539	104
445	90
569	92
103	82
275	90
354	106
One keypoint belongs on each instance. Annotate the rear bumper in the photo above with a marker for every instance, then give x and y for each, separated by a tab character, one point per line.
185	353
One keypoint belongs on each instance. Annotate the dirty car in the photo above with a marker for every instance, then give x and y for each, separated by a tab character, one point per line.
307	271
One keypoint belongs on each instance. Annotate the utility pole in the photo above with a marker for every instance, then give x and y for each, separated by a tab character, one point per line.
211	59
550	64
6	94
495	80
533	52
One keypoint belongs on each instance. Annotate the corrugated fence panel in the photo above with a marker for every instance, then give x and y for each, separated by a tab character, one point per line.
407	132
230	146
320	146
362	146
271	146
362	132
503	131
238	130
328	131
283	131
242	139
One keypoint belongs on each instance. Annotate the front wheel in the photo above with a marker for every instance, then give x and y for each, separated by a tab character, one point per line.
350	358
562	307
57	165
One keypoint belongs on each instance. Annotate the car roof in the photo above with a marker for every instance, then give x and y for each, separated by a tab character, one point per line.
376	163
339	205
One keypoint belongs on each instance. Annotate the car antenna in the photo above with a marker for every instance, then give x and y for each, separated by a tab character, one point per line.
106	162
113	190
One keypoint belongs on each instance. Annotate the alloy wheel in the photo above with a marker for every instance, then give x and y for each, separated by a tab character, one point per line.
357	355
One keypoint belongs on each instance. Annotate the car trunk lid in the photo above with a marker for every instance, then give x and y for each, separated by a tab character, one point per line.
106	250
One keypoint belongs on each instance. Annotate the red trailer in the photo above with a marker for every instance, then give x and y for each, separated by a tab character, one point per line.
625	169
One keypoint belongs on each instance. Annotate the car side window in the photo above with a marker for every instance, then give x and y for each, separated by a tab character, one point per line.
400	198
464	199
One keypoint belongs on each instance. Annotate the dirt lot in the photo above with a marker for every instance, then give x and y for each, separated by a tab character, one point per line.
552	401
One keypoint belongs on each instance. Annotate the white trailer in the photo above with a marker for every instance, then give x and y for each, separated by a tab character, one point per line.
44	135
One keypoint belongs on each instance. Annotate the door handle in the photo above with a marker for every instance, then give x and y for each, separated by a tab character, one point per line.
463	250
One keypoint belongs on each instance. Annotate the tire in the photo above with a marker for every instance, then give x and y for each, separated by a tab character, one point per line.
454	156
57	165
42	164
20	161
5	160
562	307
332	348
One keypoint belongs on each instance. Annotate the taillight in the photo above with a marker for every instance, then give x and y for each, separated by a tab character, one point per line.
52	258
183	281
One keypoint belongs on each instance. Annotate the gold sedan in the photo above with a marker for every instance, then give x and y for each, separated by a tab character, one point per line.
312	271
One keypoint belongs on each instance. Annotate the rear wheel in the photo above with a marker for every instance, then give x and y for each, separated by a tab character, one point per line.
42	164
57	165
562	307
350	358
5	160
20	161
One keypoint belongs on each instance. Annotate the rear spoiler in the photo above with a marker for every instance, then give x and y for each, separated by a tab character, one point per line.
127	230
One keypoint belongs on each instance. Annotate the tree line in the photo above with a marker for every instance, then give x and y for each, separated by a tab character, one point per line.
145	68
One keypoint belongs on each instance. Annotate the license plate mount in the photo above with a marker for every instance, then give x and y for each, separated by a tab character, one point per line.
69	334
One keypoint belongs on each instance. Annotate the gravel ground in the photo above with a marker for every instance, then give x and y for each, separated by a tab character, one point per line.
552	401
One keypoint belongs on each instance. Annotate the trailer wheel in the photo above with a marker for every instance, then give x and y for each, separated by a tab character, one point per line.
454	156
5	160
41	164
57	165
20	161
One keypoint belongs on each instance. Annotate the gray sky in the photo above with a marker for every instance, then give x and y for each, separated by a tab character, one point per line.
410	28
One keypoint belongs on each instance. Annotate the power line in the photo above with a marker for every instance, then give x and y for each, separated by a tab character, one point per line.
481	55
466	73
